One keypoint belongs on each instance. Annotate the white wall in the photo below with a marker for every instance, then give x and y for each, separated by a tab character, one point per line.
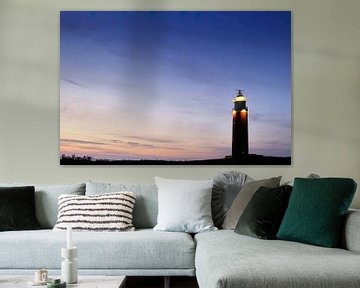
326	91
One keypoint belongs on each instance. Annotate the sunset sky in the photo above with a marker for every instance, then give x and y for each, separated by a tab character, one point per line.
159	85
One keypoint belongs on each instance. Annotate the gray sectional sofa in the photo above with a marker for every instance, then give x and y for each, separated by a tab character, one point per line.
219	259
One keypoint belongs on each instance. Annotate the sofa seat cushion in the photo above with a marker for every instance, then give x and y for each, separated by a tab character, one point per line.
226	259
142	249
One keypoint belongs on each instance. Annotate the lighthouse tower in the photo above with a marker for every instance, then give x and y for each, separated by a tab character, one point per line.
240	140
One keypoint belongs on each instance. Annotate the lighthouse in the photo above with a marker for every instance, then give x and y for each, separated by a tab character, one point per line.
240	137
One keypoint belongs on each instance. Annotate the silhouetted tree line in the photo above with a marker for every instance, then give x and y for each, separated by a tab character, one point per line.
75	159
248	160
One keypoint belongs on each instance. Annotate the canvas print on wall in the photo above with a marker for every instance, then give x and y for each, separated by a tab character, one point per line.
172	87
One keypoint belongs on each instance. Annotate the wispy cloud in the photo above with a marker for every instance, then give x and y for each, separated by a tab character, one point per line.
140	145
117	141
152	139
82	142
76	83
256	117
271	147
270	120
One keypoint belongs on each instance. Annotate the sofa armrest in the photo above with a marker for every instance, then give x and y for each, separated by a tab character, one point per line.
351	233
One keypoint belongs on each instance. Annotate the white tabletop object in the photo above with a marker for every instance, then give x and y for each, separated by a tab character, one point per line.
84	281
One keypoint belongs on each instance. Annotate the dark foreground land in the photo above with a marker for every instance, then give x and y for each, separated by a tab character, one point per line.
249	160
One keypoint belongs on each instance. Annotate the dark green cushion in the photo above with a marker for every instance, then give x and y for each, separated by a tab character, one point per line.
316	211
264	213
17	208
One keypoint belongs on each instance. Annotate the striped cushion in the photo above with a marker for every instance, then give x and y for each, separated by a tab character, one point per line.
105	212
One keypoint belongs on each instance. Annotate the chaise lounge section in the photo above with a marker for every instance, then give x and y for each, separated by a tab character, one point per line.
225	259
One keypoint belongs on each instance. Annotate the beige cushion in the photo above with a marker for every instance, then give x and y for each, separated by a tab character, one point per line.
243	198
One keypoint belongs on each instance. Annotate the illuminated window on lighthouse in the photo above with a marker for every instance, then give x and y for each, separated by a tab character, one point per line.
175	87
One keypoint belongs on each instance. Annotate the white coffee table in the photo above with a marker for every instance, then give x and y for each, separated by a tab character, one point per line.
84	281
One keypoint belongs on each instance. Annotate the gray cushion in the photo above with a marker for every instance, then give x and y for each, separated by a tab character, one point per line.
310	176
225	259
184	205
351	236
46	200
263	214
146	204
226	187
144	249
243	198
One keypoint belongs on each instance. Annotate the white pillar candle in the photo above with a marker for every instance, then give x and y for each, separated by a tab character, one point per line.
69	237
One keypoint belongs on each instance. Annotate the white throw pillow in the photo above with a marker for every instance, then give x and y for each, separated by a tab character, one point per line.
104	212
184	205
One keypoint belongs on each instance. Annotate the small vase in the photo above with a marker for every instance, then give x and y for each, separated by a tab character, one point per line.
69	271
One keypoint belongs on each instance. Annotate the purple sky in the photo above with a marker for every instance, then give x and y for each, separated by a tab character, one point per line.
159	85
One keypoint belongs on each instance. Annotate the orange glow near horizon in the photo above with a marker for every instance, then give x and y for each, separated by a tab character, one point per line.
103	146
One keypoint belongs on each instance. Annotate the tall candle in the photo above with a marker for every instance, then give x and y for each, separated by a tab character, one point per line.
69	237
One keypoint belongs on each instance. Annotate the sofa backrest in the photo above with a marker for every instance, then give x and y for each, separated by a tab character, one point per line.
46	200
146	203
